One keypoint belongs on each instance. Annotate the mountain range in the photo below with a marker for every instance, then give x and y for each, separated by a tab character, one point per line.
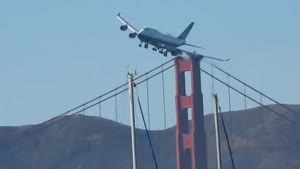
259	139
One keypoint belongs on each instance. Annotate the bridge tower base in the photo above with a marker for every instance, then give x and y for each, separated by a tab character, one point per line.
190	138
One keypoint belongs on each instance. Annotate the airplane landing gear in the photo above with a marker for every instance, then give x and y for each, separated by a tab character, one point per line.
165	53
154	49
140	45
146	46
161	51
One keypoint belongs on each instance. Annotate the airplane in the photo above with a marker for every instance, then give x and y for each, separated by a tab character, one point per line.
164	43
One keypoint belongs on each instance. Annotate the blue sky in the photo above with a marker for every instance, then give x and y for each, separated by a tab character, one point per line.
58	54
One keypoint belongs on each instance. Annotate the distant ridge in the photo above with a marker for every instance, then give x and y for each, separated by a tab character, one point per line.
259	138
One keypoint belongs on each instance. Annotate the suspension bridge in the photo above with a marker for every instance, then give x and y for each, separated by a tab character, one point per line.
174	94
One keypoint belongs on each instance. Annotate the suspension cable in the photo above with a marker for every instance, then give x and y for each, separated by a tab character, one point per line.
83	108
164	98
229	105
150	71
119	104
116	107
245	98
150	77
227	139
146	128
57	118
252	88
229	94
262	113
148	104
250	98
76	108
212	80
100	108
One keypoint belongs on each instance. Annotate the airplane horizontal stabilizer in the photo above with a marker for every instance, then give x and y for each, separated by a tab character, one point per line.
194	46
194	54
218	59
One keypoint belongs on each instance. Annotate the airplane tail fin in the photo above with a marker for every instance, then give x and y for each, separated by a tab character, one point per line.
186	32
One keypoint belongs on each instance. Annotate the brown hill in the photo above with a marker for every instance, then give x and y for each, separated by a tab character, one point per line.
259	140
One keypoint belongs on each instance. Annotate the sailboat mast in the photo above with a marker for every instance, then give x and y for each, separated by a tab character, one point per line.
132	117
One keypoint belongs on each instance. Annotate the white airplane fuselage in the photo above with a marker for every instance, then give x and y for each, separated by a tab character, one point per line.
156	38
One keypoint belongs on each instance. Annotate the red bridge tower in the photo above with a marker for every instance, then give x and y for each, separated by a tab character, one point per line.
190	139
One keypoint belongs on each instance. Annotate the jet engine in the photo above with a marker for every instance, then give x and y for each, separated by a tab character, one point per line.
124	27
132	35
175	52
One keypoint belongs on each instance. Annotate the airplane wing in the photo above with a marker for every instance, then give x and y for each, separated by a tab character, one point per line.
132	28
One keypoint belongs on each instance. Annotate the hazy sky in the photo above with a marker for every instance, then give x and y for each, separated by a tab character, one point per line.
57	54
